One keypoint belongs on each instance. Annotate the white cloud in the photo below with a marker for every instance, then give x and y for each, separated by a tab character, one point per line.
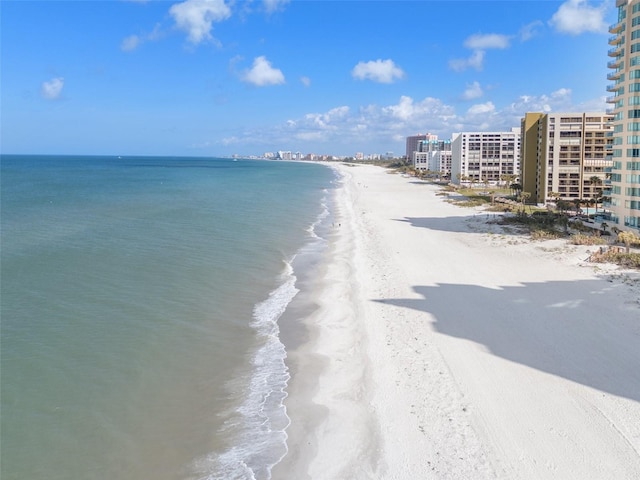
482	109
196	17
382	71
52	89
484	42
530	30
306	81
577	16
474	61
327	120
274	5
479	43
382	127
130	43
262	73
409	111
473	91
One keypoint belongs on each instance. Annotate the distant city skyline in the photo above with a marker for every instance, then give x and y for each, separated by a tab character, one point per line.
215	78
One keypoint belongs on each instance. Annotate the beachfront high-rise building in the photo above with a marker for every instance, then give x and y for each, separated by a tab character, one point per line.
564	153
623	186
485	156
413	141
433	155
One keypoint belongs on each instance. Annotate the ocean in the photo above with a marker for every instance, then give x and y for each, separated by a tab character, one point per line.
140	299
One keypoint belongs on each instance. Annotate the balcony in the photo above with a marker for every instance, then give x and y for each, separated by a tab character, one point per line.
615	63
614	75
615	51
612	87
613	99
616	27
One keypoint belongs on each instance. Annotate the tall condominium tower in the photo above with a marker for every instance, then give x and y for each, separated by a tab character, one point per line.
485	156
624	184
565	153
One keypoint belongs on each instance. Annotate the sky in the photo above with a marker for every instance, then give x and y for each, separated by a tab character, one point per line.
220	77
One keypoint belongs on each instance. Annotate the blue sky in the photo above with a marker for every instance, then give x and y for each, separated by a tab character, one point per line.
214	77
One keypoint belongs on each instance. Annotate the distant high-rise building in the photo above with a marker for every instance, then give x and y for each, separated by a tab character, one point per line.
433	155
623	186
284	155
485	156
564	153
413	141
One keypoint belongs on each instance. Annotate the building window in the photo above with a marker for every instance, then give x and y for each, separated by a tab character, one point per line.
633	178
632	221
633	152
633	139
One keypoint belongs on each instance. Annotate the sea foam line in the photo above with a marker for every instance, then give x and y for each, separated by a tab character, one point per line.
263	418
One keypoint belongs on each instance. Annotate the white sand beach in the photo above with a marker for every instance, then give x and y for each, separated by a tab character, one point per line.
445	348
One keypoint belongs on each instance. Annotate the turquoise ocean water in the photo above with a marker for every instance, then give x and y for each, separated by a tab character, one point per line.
139	302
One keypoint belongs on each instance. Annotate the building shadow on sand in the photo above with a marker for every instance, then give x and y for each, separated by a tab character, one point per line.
463	223
563	328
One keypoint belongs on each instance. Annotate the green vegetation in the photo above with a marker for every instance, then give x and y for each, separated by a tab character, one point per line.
627	260
582	239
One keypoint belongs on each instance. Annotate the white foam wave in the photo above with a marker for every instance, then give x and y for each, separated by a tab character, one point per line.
262	417
321	216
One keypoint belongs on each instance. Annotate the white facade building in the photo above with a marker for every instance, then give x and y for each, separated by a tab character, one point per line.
485	156
433	155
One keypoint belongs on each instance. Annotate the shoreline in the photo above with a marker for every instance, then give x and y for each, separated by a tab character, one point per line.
445	347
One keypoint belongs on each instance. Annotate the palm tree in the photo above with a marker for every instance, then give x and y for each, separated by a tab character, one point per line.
504	178
577	202
555	195
524	196
628	237
563	205
598	196
595	181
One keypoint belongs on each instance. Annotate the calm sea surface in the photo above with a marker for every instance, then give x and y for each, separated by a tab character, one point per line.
139	301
